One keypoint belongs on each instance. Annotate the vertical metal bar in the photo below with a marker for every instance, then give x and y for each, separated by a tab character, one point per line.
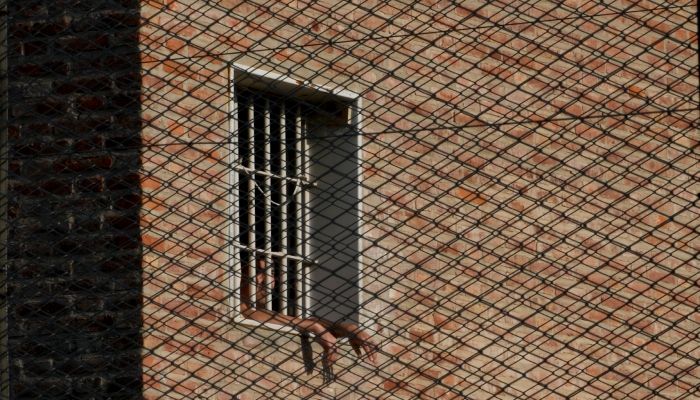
251	206
299	217
305	218
283	214
267	197
234	231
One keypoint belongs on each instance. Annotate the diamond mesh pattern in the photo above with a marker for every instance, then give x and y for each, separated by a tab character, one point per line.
224	199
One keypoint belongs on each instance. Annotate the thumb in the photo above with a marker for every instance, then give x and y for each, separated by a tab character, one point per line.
356	347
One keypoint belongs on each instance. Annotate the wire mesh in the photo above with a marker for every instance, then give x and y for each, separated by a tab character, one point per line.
230	199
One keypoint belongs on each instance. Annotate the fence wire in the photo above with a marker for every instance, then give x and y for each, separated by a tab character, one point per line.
366	199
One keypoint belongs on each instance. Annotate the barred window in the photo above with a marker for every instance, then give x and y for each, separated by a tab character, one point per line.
272	188
295	198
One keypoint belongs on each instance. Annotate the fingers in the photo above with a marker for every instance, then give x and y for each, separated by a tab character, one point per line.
356	347
369	347
333	357
371	350
328	375
361	342
330	350
331	354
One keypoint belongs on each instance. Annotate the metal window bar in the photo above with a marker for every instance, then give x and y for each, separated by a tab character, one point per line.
235	229
257	173
300	281
272	221
283	288
253	291
266	193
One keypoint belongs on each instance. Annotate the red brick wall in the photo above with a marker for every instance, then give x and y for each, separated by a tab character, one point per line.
73	285
530	185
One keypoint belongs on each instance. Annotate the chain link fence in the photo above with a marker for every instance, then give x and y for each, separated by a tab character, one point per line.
366	199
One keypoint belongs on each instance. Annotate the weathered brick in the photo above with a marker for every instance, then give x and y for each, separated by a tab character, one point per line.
52	68
87	104
34	48
96	184
501	206
40	94
83	43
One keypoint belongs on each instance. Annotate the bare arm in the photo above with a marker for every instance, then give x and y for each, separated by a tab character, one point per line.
324	336
326	332
359	339
304	325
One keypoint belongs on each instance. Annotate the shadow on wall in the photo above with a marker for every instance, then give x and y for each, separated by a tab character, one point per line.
74	258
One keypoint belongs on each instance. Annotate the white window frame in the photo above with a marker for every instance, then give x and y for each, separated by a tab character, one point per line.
253	78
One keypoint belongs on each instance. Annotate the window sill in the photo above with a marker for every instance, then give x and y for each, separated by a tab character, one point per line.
277	328
268	325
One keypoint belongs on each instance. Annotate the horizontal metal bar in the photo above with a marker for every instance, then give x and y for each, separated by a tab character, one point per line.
300	181
276	254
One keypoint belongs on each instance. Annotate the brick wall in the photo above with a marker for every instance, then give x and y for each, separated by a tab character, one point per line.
525	235
74	282
530	181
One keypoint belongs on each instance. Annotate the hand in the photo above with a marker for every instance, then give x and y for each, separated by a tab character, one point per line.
360	340
330	354
330	346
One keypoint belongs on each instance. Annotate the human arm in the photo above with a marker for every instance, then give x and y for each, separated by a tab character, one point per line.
359	339
327	333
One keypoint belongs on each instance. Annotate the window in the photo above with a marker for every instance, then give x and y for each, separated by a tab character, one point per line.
294	198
